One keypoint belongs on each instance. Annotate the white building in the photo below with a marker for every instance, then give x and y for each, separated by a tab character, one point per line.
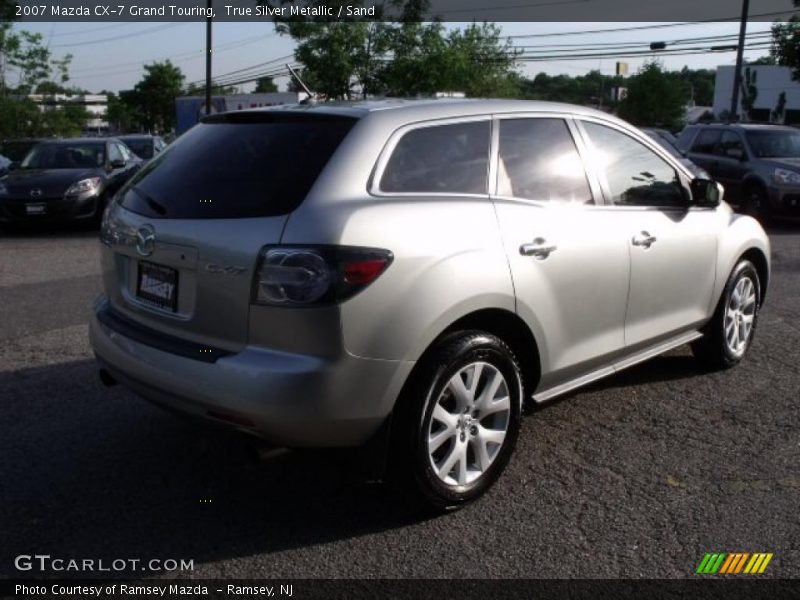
770	82
95	104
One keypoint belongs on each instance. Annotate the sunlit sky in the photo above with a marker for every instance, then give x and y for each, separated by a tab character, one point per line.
110	56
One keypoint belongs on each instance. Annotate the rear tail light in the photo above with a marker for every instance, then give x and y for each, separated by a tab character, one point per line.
315	275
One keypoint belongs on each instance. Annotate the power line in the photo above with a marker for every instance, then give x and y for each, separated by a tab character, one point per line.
121	37
647	27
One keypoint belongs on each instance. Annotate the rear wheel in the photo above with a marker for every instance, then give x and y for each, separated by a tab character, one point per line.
731	329
458	421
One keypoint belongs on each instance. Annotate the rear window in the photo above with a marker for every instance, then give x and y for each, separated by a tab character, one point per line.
451	159
237	166
685	138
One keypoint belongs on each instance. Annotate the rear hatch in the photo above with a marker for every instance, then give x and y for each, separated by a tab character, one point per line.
183	237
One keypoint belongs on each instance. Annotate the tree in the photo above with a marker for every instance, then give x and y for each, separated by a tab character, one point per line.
400	57
154	96
36	71
785	47
266	85
654	99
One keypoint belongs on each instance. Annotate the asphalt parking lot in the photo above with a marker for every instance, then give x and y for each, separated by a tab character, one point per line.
637	476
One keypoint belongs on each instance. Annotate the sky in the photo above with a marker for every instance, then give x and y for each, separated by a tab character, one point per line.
110	56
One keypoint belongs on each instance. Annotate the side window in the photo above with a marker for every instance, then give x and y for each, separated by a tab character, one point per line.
123	149
539	161
730	145
114	153
634	174
706	141
441	158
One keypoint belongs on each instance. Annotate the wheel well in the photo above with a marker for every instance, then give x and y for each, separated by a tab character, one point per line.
510	328
754	183
755	256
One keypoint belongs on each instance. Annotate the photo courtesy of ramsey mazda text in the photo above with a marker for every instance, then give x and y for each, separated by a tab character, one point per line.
414	272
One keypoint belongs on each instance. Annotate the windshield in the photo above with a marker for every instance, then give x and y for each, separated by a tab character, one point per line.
16	151
142	148
247	165
774	144
80	155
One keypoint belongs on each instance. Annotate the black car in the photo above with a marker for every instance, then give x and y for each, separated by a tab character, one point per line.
67	179
759	165
144	146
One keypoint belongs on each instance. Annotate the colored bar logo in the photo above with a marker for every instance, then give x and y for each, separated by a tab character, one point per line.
734	563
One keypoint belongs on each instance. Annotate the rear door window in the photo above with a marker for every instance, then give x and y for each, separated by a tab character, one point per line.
706	141
538	160
450	159
249	164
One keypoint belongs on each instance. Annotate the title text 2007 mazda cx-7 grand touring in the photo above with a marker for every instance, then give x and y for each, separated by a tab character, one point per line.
413	271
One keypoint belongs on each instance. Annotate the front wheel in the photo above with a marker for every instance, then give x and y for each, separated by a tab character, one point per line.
756	204
730	332
458	421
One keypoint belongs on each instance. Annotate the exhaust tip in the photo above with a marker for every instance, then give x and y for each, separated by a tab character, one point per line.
106	378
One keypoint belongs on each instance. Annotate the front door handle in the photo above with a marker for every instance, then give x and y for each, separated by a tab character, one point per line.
644	239
539	249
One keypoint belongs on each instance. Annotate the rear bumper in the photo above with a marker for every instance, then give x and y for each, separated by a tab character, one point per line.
288	399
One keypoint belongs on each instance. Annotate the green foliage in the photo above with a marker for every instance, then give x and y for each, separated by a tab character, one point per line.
265	85
400	57
583	89
785	49
153	98
26	61
654	99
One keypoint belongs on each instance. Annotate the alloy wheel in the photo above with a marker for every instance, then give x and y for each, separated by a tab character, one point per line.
739	315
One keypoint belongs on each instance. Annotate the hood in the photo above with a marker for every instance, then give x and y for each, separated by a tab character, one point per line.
52	182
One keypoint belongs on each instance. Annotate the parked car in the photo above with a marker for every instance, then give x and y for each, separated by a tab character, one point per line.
406	274
759	165
668	141
144	146
68	179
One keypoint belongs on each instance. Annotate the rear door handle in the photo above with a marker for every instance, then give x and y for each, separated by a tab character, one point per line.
539	249
644	239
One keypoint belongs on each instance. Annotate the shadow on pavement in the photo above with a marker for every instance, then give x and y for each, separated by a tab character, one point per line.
90	471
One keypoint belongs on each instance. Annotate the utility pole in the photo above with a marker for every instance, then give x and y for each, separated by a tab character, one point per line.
737	75
208	59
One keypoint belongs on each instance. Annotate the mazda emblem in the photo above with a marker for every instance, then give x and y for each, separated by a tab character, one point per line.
36	193
145	240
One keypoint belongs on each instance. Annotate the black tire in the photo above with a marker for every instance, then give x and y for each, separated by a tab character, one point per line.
714	349
756	203
410	461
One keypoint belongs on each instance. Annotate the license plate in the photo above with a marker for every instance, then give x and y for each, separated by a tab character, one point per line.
36	208
157	285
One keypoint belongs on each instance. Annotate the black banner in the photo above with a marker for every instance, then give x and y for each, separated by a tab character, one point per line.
350	10
734	588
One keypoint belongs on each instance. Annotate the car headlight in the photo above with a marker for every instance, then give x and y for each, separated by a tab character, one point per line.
786	177
84	185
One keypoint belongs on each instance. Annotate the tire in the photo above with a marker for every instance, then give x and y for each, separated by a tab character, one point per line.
730	332
447	446
756	204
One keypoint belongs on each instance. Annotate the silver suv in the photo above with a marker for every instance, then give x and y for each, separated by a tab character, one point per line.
413	272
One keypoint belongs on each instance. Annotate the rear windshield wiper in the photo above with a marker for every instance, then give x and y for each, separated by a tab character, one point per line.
151	202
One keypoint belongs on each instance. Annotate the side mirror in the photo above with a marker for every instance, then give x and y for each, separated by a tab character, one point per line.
117	164
706	192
